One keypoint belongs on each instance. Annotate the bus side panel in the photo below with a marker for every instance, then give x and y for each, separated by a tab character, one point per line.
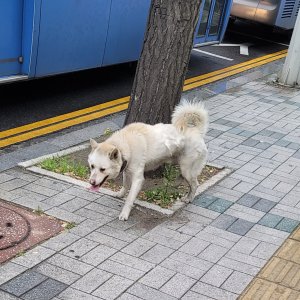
11	18
127	27
72	35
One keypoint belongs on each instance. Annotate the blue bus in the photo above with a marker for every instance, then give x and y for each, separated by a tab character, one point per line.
46	37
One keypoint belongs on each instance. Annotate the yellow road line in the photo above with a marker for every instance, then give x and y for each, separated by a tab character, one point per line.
36	129
246	63
56	127
230	73
63	117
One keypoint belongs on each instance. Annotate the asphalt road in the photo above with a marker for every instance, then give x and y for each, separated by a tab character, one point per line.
30	101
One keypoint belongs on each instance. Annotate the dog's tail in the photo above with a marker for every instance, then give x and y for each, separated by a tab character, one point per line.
189	115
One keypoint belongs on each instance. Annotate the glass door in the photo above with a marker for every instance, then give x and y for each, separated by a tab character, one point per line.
210	21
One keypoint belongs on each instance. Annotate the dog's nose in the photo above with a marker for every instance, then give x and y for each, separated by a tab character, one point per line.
93	182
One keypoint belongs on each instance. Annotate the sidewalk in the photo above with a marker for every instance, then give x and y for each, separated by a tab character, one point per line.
213	249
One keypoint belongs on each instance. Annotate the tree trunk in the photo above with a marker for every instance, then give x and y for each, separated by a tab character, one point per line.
164	60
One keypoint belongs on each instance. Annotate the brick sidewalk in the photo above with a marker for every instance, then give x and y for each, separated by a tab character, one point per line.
210	250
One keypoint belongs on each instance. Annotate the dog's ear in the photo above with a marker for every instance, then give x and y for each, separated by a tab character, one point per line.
93	143
114	154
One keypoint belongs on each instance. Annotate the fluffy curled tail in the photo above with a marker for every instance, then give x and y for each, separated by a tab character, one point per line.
189	115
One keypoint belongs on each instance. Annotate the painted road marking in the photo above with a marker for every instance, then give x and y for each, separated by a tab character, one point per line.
211	54
244	48
40	128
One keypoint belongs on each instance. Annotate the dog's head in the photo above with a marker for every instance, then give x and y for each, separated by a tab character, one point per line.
105	162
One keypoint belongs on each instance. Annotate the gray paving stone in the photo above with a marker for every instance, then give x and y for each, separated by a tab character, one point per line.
79	248
34	256
45	291
164	241
238	266
113	287
85	228
57	273
216	240
82	193
5	177
65	215
148	293
240	227
9	271
117	233
245	245
216	275
213	253
241	257
287	225
53	184
92	280
182	268
40	189
191	228
264	205
264	250
107	240
59	199
23	283
192	261
194	246
73	294
237	282
74	204
214	292
98	255
222	233
102	209
178	285
157	277
190	295
61	241
157	254
223	221
121	270
92	215
132	261
138	247
13	184
270	220
20	192
248	200
6	296
127	296
70	264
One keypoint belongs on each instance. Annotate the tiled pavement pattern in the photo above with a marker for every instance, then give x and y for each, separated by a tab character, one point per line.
280	278
210	250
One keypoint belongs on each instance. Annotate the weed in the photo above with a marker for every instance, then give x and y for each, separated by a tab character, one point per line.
69	225
38	211
108	132
20	253
166	194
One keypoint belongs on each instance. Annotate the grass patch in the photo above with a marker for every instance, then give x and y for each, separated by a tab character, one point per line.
66	166
162	188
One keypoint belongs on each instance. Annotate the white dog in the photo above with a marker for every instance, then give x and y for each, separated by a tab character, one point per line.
139	147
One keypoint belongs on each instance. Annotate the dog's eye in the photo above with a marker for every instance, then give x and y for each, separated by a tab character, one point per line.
102	169
92	166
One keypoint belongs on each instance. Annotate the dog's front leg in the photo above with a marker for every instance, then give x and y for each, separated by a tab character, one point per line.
126	184
136	185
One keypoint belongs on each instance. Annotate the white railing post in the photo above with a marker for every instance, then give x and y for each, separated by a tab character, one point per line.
290	73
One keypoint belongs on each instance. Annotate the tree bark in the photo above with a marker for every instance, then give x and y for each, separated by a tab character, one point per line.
164	60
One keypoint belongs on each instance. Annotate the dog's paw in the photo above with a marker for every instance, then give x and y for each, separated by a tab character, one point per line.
124	215
120	194
186	199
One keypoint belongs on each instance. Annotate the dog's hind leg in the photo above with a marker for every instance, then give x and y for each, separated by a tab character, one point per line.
190	170
136	186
